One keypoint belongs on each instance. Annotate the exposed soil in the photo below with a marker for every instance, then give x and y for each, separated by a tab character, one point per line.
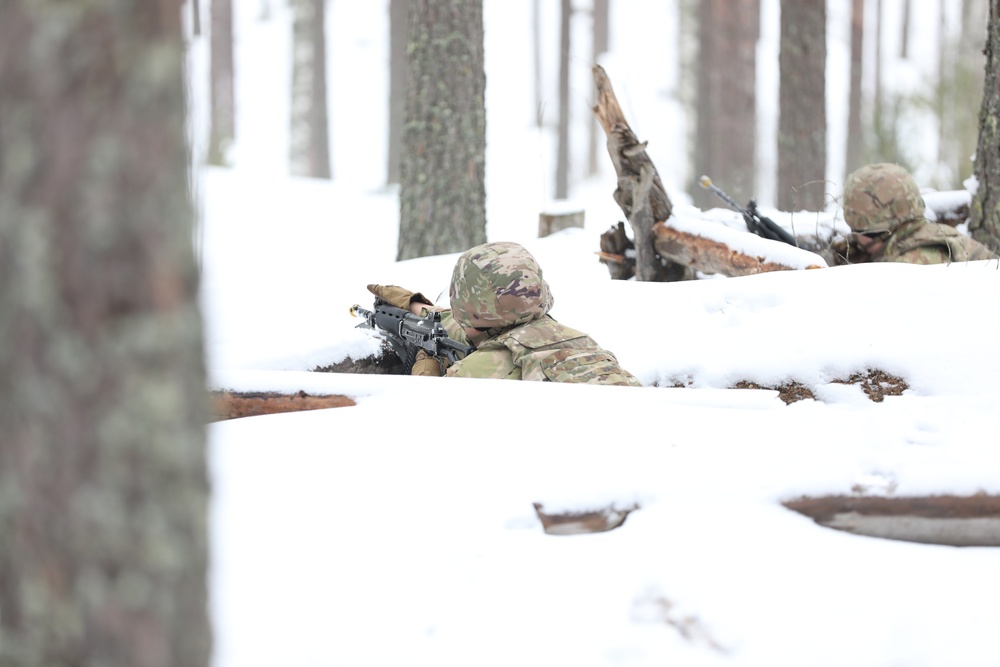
875	383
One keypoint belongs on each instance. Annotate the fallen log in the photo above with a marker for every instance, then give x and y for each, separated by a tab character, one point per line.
960	521
661	250
233	405
710	256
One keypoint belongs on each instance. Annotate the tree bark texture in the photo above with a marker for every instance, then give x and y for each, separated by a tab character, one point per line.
103	480
855	133
442	171
984	222
640	194
398	17
725	148
802	106
222	86
309	149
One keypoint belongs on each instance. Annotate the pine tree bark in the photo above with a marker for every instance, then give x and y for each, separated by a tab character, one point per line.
309	150
984	221
802	106
103	509
442	171
725	148
398	16
222	85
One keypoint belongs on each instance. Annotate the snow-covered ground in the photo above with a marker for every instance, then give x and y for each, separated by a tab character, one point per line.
401	531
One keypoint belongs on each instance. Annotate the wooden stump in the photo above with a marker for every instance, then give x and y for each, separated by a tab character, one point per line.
640	193
550	223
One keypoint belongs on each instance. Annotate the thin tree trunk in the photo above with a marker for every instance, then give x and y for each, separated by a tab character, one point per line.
802	104
103	510
222	89
562	147
601	16
309	151
855	132
536	40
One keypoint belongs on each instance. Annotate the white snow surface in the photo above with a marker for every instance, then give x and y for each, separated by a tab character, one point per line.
401	530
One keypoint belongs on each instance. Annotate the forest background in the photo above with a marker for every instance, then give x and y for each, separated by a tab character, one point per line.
705	83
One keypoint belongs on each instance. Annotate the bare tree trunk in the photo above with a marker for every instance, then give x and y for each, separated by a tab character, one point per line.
222	88
309	150
727	119
855	132
103	513
984	222
196	17
802	104
562	147
601	16
442	172
536	40
398	16
904	41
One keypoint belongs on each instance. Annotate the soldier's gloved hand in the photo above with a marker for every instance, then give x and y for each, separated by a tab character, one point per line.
428	366
398	296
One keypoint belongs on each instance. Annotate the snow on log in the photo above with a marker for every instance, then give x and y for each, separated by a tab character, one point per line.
949	208
580	522
717	249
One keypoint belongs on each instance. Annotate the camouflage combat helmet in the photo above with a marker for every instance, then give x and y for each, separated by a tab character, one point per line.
497	285
880	198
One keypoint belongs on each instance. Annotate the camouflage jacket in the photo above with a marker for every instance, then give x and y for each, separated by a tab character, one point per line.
924	242
541	349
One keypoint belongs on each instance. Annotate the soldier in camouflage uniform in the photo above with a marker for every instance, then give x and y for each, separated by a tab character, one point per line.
884	209
500	304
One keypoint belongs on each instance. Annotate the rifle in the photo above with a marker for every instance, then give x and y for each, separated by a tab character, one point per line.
757	224
407	333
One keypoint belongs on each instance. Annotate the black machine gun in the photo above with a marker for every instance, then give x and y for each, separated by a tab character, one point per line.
757	224
407	333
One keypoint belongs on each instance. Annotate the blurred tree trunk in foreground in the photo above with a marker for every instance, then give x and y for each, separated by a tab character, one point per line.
802	106
727	118
442	188
309	149
984	222
398	13
103	481
222	87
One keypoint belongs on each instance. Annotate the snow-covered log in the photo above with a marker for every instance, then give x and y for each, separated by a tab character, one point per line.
960	521
715	248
